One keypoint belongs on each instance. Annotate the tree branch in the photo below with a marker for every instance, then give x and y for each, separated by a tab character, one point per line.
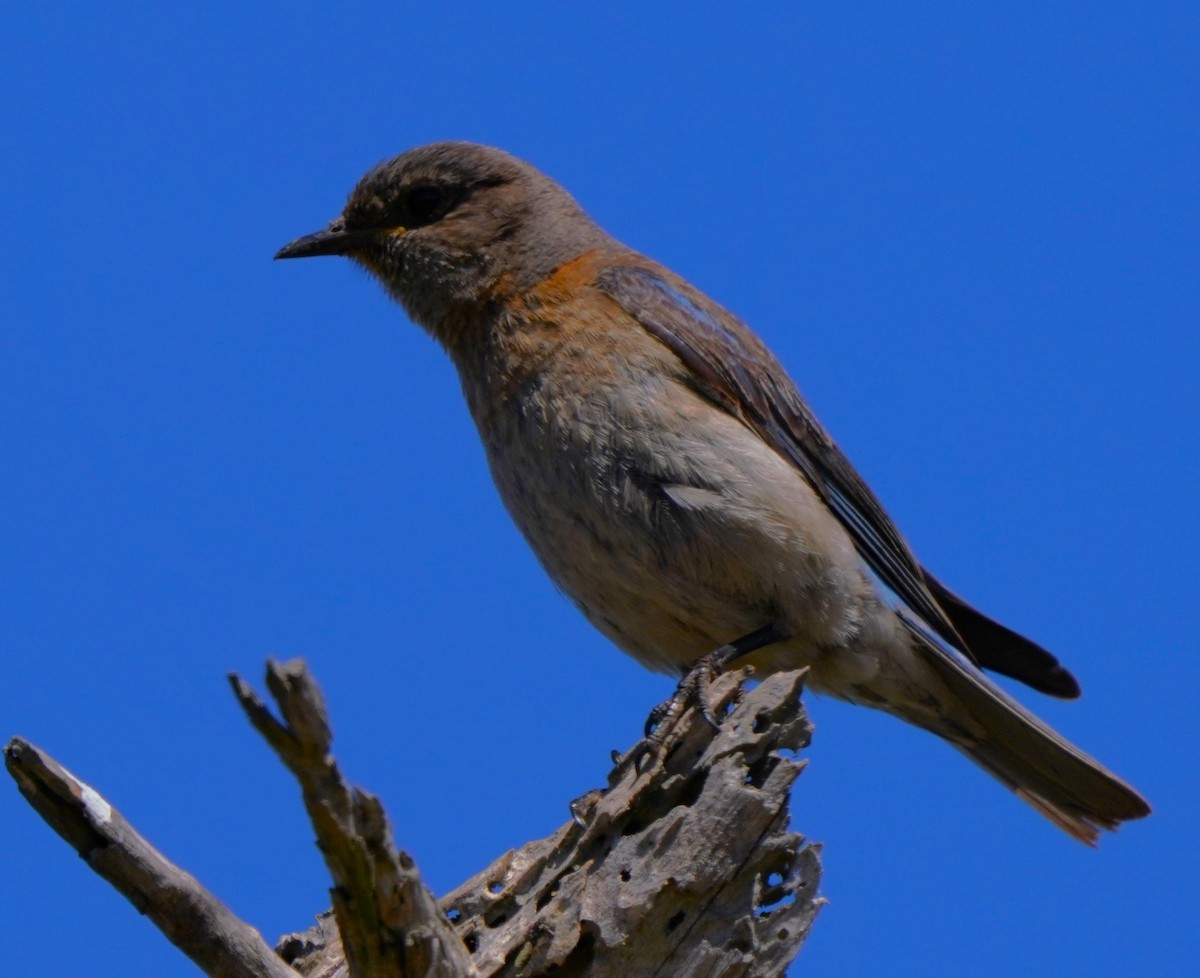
192	919
390	924
682	866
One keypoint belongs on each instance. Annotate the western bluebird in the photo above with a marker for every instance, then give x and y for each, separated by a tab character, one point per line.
674	483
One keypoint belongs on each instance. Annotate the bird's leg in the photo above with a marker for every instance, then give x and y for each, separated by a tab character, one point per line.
693	687
692	690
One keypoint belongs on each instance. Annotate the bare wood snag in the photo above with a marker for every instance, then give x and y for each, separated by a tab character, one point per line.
682	865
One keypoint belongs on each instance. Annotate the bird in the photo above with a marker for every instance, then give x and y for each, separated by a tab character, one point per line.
674	483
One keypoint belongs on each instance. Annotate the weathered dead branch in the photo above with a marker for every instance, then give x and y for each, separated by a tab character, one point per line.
390	924
192	919
682	866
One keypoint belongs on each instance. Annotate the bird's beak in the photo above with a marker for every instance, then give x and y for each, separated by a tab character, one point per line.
333	240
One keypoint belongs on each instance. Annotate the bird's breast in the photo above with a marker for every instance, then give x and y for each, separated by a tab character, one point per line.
670	525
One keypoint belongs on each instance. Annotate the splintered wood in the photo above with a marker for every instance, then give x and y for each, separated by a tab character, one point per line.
682	866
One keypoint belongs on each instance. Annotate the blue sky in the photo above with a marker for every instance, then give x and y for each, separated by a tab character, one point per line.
968	230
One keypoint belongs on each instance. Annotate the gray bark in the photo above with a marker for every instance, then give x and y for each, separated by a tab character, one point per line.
683	865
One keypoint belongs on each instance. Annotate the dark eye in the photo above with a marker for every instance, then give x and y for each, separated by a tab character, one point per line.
425	203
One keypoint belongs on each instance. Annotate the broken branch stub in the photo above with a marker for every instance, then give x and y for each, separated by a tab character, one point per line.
390	924
682	867
190	917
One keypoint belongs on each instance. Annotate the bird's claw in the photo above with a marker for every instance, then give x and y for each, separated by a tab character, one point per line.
582	807
691	691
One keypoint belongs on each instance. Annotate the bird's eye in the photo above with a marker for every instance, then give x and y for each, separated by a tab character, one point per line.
425	203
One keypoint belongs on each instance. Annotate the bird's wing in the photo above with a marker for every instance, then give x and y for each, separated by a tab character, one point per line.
1002	650
732	367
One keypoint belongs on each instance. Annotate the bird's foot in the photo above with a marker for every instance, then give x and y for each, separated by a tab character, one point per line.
693	687
691	691
673	719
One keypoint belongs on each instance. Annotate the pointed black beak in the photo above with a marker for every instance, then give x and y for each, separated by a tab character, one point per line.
333	240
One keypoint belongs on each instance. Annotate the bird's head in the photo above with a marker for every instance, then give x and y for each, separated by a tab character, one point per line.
450	226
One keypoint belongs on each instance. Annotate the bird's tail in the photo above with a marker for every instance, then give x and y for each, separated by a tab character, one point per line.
1064	784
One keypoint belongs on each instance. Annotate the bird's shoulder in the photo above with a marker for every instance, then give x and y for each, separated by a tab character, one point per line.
571	321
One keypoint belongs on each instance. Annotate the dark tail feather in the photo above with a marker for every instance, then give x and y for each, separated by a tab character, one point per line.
1058	779
1001	649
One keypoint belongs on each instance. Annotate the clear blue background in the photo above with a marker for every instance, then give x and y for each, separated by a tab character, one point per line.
969	230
